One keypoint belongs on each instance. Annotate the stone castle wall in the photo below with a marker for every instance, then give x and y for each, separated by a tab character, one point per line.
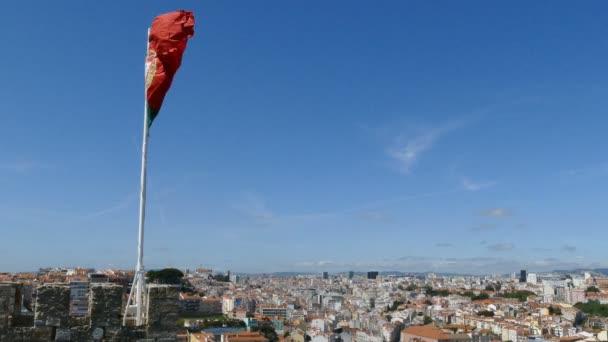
52	320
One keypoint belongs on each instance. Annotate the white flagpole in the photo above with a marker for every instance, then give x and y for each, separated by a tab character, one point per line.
137	303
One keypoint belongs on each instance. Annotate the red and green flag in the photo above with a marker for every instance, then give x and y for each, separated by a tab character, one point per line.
167	41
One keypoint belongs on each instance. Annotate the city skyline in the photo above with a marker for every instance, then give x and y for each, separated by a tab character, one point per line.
310	137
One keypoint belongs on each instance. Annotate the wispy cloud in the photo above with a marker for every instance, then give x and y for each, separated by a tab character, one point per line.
600	169
25	166
520	226
407	149
471	185
314	264
377	216
488	264
118	206
569	248
500	247
484	227
497	212
254	206
443	244
368	206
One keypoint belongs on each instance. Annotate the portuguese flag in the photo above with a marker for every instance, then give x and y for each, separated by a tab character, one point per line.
167	41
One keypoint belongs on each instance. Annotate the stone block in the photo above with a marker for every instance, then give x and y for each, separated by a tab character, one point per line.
29	334
81	333
22	321
10	303
41	334
97	334
4	312
162	307
105	304
14	294
52	305
63	335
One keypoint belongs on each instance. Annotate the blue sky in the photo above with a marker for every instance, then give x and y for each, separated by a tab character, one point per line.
309	136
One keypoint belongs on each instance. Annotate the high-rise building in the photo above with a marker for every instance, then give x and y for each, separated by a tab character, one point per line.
372	274
351	274
523	276
325	275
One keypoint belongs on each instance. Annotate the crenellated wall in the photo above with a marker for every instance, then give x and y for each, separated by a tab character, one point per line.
52	321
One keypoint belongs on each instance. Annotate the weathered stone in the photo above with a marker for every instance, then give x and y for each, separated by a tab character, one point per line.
10	303
29	334
79	321
63	335
81	333
14	293
22	321
104	323
41	334
162	307
4	312
53	305
105	303
97	334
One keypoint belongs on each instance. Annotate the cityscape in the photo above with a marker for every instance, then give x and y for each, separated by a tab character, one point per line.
203	305
304	171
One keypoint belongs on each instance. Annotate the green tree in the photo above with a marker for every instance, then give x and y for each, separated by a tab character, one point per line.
220	277
165	276
411	287
592	289
593	308
395	305
555	311
427	320
486	313
521	295
267	329
490	288
428	302
481	296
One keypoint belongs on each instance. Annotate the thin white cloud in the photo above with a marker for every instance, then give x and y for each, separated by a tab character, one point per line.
377	216
254	206
488	264
497	212
24	166
118	206
589	171
471	185
407	150
484	227
368	206
325	263
569	248
500	247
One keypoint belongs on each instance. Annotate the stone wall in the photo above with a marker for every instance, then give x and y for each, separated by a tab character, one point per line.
52	321
52	305
10	303
163	307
